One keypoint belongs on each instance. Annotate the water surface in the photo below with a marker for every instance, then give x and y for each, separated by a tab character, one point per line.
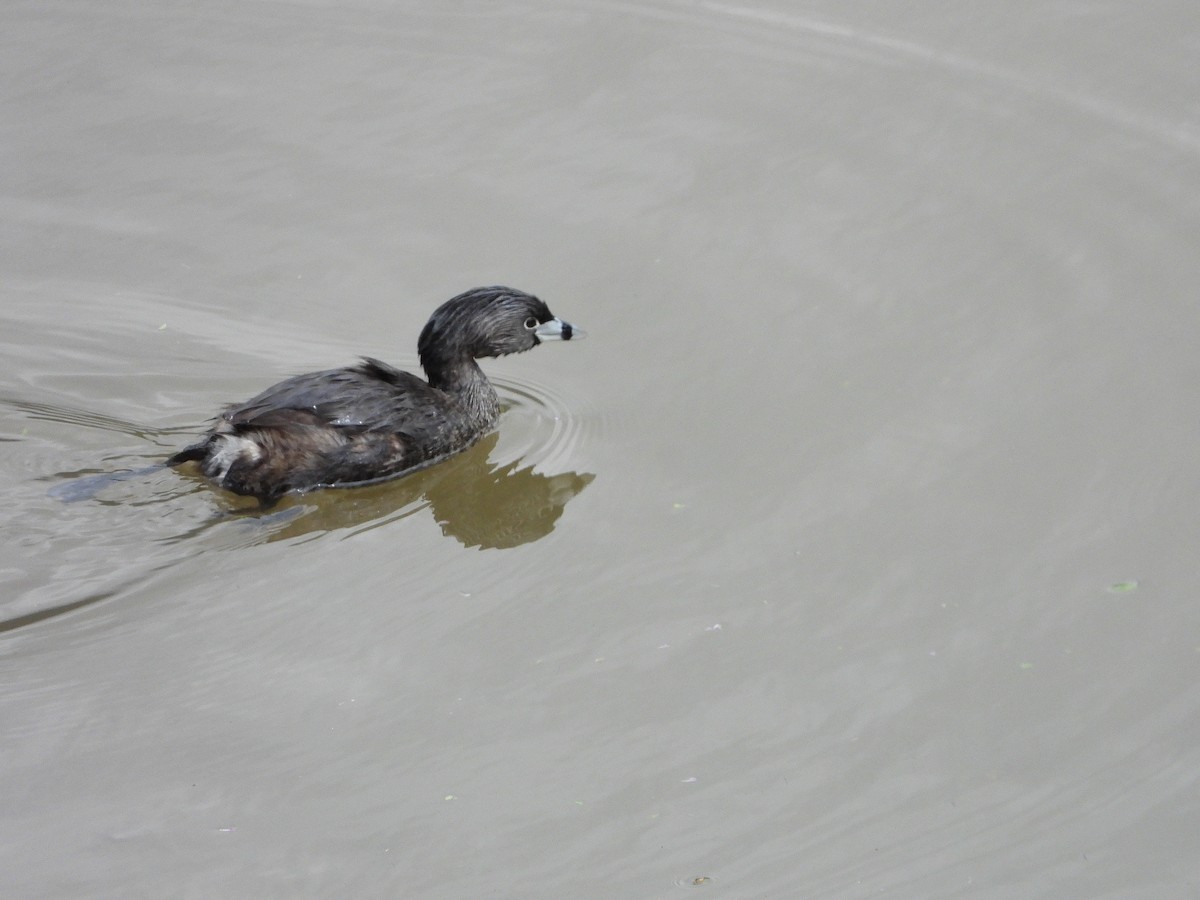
852	554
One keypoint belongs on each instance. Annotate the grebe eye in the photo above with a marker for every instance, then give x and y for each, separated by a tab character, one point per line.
531	323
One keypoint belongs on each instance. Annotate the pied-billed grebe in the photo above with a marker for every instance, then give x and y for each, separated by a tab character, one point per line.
370	422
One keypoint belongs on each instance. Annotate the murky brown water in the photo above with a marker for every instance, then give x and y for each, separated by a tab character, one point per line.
853	554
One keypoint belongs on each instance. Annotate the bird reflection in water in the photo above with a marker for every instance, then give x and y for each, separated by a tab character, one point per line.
476	502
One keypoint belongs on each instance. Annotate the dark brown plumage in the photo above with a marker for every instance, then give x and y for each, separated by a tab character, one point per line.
370	422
